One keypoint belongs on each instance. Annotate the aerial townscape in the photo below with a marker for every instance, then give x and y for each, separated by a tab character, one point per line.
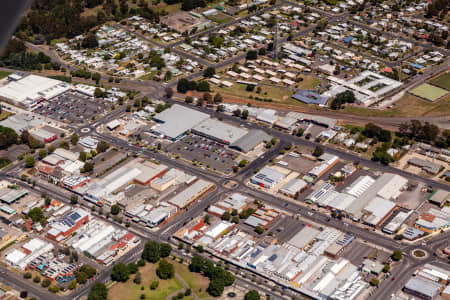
210	150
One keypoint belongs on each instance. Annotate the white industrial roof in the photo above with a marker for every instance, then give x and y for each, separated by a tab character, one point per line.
66	154
118	178
294	186
178	119
32	87
185	197
378	209
218	229
393	186
15	257
220	130
303	237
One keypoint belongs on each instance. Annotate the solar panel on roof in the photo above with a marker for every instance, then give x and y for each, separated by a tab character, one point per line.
75	216
273	257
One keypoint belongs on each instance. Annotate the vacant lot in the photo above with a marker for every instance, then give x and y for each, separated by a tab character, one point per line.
442	81
408	106
276	94
428	92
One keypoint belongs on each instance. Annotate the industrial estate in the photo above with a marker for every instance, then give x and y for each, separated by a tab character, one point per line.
217	150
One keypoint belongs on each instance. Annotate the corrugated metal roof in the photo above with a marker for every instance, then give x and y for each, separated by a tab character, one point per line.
252	139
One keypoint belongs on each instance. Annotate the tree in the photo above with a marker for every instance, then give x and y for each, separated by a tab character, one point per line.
102	146
29	161
375	282
207	97
169	92
154	285
386	268
342	98
215	288
98	93
203	86
318	151
87	167
251	55
51	149
120	272
226	216
151	252
46	282
8	137
165	270
42	154
36	214
189	99
206	218
83	156
74	139
37	279
397	255
259	230
209	72
98	292
81	277
115	209
218	98
27	275
137	279
183	85
132	268
72	285
90	41
252	295
165	250
244	114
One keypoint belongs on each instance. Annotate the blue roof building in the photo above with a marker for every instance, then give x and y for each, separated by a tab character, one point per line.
310	97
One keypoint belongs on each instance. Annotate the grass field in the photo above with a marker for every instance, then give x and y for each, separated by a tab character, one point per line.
442	81
195	281
428	92
168	8
269	92
408	106
4	74
220	18
130	290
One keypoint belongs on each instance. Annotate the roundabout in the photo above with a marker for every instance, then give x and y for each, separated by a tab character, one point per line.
85	130
419	254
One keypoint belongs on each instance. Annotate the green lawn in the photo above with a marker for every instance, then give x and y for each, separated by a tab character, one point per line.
277	94
195	281
148	76
4	74
220	18
428	92
442	81
130	290
168	8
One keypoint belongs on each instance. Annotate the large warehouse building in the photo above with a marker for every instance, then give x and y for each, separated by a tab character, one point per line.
29	91
219	131
177	120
